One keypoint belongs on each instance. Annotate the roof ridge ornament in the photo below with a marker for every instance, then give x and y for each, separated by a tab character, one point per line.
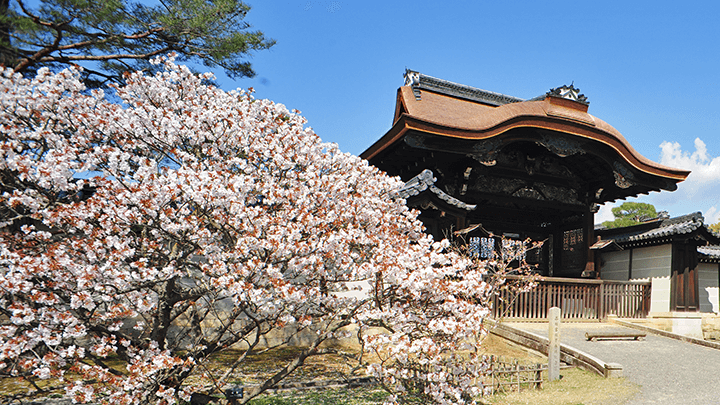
569	92
411	77
418	81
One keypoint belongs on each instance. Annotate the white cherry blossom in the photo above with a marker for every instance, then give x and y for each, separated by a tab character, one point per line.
184	220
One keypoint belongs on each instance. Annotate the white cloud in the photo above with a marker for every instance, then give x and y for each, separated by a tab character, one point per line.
705	171
712	215
605	213
700	191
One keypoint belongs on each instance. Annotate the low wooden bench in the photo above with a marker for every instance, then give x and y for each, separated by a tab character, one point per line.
593	336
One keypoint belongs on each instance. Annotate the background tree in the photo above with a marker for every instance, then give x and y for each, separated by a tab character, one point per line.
631	213
214	219
715	227
122	36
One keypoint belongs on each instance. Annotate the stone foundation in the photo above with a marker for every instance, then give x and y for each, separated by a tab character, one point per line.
711	326
693	324
682	323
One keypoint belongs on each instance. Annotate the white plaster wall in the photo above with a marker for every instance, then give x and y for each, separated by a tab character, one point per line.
615	265
660	294
708	287
652	261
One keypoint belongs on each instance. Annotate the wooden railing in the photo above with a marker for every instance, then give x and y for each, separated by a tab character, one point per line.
578	299
508	376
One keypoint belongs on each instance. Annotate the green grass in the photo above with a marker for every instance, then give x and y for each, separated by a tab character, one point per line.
576	387
341	396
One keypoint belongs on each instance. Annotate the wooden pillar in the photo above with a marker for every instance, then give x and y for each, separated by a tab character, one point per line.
589	236
460	223
551	256
693	279
602	315
557	247
677	300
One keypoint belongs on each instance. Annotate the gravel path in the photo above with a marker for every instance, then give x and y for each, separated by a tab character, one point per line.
669	371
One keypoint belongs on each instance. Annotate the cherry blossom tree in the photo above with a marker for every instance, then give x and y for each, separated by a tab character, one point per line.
432	350
186	220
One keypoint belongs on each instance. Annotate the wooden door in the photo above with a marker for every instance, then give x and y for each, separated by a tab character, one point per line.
684	283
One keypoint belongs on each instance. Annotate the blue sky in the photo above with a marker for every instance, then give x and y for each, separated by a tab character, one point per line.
651	69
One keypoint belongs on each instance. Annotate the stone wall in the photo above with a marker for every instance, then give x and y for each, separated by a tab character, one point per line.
711	326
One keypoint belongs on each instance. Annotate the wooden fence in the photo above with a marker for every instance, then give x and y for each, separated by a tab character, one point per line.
504	376
578	299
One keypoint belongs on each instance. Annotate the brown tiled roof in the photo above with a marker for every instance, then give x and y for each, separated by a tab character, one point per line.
450	116
606	245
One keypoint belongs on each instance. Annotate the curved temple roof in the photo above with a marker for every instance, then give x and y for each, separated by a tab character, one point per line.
453	111
661	230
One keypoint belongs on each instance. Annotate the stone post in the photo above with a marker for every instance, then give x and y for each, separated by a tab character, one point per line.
554	348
